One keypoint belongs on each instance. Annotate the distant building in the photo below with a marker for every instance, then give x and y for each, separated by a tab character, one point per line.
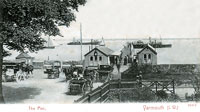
38	64
27	58
127	53
147	55
100	55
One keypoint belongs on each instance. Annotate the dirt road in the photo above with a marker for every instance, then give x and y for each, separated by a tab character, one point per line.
39	90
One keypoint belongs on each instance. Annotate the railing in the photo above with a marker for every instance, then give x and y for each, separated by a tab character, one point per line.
100	94
97	95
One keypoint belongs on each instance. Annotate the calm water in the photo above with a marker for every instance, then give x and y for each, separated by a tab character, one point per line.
182	51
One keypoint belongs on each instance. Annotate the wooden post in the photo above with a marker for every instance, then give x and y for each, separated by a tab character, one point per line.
89	98
119	83
156	86
100	94
173	86
119	97
109	85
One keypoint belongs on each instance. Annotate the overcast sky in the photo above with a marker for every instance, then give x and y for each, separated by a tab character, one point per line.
134	19
137	18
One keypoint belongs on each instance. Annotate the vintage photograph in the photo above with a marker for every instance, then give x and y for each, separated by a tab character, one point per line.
99	51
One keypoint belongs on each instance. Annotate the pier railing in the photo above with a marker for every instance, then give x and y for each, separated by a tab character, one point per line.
100	94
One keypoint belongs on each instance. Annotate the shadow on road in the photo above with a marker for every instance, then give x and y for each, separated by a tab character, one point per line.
17	95
61	81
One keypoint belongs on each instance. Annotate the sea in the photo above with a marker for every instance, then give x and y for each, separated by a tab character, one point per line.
183	50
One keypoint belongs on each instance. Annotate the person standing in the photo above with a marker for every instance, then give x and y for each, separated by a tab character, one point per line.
118	65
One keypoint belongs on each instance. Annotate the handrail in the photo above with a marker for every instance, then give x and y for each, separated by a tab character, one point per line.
100	94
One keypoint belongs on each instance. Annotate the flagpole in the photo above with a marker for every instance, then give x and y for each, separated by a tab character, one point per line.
81	40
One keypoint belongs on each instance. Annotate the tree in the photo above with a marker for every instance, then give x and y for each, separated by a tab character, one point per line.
23	21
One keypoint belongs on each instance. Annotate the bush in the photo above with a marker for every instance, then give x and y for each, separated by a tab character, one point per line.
162	94
173	98
132	95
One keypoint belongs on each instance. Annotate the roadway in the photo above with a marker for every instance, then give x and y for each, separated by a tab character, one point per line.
40	90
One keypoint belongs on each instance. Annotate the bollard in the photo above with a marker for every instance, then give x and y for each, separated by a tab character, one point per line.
89	98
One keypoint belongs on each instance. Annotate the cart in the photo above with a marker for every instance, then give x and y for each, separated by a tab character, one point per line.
78	86
11	70
72	71
104	72
52	69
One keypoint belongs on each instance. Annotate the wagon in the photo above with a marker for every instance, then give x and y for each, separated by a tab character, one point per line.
104	72
78	86
72	71
10	70
52	69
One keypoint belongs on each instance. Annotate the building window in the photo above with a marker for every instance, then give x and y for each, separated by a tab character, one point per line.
95	57
91	58
145	56
100	58
149	56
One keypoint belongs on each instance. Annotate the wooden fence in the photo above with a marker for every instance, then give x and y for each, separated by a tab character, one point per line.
100	94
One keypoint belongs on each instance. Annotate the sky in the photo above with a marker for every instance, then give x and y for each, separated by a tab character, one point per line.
125	19
136	19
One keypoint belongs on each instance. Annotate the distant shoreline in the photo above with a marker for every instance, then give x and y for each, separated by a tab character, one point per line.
110	39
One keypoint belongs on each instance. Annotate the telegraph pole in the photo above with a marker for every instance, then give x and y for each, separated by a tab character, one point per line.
81	41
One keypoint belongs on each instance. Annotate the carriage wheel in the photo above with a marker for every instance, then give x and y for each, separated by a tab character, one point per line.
24	75
18	77
4	79
69	89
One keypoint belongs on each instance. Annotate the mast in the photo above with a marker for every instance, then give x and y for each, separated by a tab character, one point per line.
81	39
160	38
48	42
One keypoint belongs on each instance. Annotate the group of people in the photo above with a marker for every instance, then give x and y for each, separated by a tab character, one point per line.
25	71
72	72
139	79
89	77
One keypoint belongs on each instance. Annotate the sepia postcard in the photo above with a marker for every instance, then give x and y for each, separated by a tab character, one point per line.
99	55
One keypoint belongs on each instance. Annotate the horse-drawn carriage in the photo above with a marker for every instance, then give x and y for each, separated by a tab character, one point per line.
72	71
15	70
104	73
52	68
81	83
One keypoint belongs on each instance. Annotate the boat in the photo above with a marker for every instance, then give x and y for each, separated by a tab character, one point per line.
95	42
49	44
155	45
140	44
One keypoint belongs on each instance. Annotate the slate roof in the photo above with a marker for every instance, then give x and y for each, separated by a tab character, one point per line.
150	47
23	55
105	50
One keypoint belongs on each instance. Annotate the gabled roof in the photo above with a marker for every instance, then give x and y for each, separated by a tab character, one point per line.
116	53
104	50
23	55
149	47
